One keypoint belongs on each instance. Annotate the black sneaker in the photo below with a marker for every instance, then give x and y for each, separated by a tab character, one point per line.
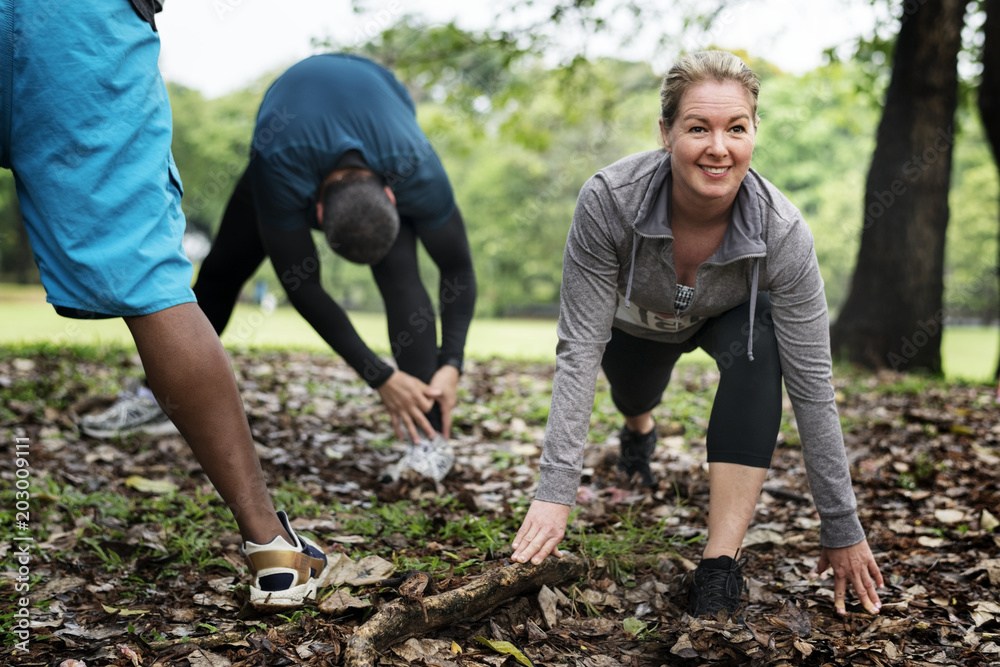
636	451
717	584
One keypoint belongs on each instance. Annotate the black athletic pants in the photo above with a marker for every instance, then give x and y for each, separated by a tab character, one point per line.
746	414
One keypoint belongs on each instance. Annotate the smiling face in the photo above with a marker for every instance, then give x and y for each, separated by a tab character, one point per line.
711	143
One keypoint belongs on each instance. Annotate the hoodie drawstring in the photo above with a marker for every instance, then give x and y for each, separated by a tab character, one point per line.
631	269
753	291
753	305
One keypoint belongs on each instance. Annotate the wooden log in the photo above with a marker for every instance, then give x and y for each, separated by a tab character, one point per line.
402	619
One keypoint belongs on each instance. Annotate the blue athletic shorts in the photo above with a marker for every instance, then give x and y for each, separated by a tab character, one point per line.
85	125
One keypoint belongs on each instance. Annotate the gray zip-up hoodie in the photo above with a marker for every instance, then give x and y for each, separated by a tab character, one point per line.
619	251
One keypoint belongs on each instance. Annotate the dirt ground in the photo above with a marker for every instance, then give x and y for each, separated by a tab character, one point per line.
925	465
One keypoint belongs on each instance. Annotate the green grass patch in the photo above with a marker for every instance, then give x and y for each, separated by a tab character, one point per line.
31	320
969	353
615	547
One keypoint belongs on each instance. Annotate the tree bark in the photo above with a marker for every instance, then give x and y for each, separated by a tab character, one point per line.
401	619
893	315
989	88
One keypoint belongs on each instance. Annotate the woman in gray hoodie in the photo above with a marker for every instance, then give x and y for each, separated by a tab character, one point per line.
687	247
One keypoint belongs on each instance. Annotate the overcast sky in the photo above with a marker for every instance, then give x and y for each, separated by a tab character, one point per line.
217	46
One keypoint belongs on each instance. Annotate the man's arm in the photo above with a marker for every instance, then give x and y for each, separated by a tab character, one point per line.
293	254
448	246
297	265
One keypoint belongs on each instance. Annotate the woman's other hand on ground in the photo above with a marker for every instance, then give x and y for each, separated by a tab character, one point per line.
855	565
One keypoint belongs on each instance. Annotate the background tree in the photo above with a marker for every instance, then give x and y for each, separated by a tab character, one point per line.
521	118
989	86
893	316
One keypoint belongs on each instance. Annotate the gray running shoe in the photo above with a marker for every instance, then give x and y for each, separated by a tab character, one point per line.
430	458
129	414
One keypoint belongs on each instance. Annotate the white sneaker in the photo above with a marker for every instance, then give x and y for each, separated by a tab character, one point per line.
431	458
131	413
284	575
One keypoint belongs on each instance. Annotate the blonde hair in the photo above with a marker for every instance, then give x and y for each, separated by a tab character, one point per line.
705	66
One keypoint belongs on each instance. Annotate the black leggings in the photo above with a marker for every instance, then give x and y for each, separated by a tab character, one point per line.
236	253
746	414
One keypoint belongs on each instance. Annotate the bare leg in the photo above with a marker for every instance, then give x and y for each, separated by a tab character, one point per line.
190	375
640	423
733	493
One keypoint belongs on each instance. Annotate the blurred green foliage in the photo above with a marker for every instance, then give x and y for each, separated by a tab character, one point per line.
519	136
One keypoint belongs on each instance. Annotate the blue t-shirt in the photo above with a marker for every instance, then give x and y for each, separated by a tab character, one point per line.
323	107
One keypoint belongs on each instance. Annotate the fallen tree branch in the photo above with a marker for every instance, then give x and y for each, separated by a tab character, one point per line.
402	619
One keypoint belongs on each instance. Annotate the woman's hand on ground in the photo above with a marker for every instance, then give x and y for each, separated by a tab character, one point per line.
541	531
855	565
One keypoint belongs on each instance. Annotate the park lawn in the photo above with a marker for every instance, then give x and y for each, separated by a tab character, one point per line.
970	353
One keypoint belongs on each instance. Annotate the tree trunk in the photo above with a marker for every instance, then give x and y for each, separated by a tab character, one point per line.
989	87
893	315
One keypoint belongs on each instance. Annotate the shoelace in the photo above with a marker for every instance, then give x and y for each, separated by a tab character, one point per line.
632	458
718	586
125	411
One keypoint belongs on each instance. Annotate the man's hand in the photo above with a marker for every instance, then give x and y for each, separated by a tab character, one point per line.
854	564
445	380
408	400
541	531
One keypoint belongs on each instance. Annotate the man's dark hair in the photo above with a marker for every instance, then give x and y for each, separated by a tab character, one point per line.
359	220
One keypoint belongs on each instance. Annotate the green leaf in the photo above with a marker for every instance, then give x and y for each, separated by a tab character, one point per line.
506	648
124	612
157	486
634	626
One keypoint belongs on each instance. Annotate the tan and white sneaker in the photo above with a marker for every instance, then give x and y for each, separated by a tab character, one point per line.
284	575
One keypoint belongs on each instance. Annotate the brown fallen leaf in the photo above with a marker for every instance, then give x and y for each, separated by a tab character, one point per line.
340	601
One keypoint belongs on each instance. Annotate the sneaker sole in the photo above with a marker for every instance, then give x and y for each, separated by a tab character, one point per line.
165	428
287	599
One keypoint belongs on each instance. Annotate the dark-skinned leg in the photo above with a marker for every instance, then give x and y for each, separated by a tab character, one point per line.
191	377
